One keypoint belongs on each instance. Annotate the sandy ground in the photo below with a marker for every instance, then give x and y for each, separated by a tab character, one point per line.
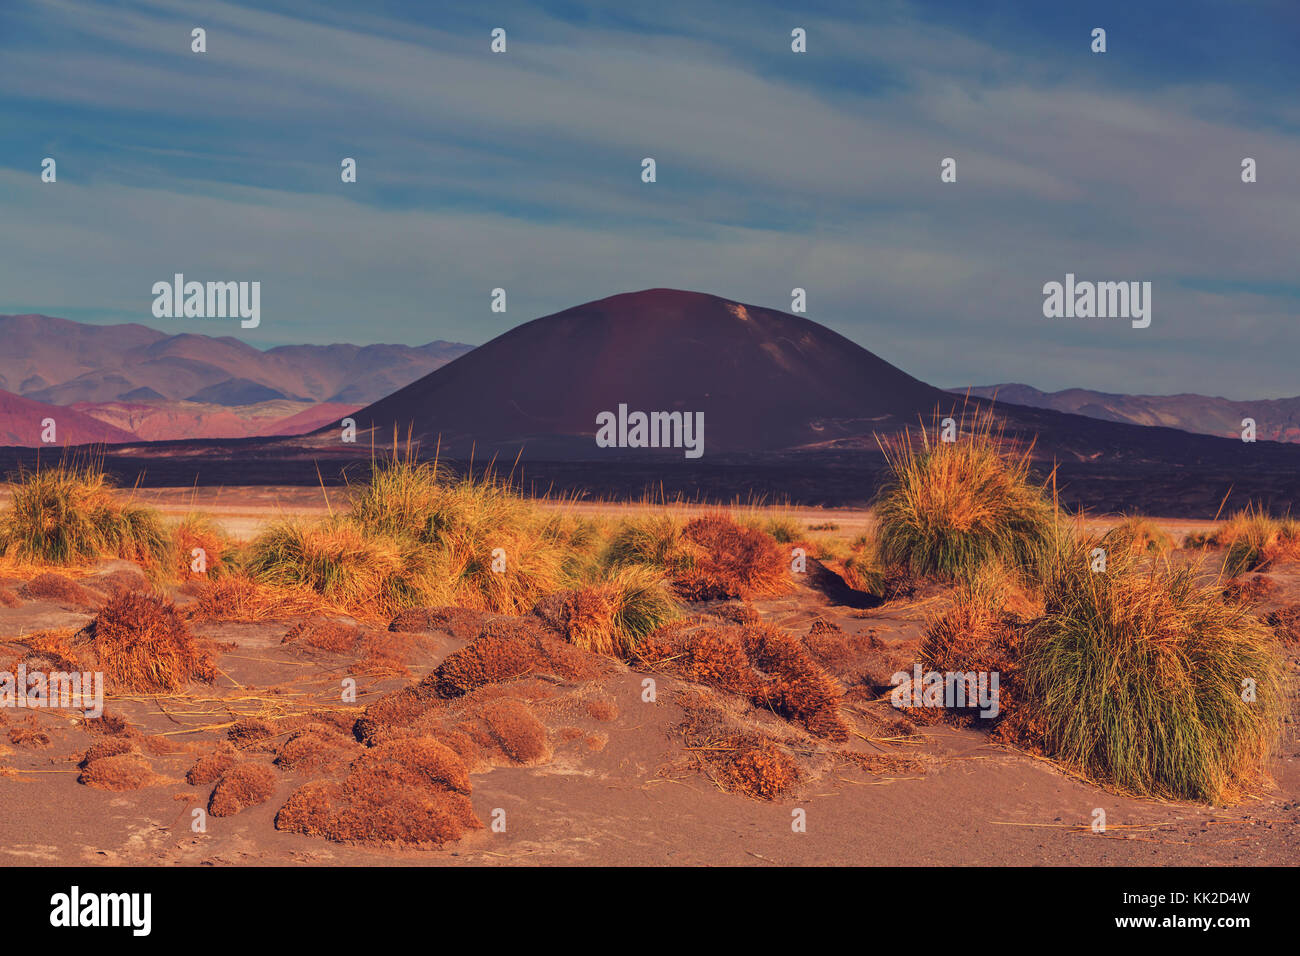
243	511
618	793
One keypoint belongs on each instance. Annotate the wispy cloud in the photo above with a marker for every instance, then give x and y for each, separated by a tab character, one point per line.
775	171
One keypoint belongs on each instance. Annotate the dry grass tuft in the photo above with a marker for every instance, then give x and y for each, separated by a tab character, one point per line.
410	793
614	615
763	664
211	766
237	597
143	645
197	531
1149	681
950	508
70	513
49	586
123	771
508	649
519	734
244	785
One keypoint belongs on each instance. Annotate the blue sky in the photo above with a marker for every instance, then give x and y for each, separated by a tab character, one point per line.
775	170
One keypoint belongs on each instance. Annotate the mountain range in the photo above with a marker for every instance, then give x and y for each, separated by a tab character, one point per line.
62	362
790	409
1276	419
129	382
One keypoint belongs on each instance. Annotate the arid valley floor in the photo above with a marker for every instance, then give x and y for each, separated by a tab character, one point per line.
613	779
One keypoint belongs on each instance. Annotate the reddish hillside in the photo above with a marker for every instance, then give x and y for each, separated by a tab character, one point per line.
21	418
763	379
309	419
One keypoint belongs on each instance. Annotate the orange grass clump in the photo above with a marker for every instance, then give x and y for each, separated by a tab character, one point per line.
980	634
49	586
769	667
242	786
758	769
144	645
518	733
505	650
210	767
123	771
409	793
237	597
317	747
731	561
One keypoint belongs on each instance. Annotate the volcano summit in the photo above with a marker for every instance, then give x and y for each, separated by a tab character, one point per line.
763	380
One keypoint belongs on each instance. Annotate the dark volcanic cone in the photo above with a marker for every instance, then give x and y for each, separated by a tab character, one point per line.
765	380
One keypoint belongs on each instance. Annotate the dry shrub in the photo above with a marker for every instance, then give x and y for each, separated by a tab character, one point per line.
757	768
603	710
828	645
325	634
459	622
242	786
111	747
611	616
505	650
211	766
106	723
237	597
410	793
741	612
29	734
248	732
144	645
125	771
517	731
49	586
413	762
123	579
731	562
794	686
1286	622
980	634
769	667
317	747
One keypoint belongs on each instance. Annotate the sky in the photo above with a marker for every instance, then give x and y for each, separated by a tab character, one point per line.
775	170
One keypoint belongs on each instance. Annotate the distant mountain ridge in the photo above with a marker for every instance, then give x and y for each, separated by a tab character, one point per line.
62	362
1276	419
